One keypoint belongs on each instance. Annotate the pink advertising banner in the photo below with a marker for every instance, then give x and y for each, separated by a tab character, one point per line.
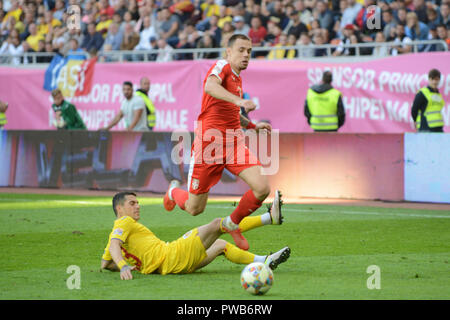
377	94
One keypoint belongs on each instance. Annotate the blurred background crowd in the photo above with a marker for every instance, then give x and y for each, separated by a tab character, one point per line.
140	25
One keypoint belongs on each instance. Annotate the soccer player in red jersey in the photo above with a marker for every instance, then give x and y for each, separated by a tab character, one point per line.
215	149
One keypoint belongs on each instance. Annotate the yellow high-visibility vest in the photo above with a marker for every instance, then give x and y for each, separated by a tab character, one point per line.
151	117
432	113
323	108
3	119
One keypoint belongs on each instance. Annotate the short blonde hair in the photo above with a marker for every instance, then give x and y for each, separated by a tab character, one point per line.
55	92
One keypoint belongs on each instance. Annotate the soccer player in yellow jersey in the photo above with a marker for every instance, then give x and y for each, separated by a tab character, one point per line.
132	246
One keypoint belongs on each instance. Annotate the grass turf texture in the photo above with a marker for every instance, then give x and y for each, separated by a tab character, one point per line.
332	246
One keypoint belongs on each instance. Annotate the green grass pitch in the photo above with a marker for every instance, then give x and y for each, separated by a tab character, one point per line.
332	247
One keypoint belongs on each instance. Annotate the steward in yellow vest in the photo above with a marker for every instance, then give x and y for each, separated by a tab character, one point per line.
324	108
426	110
151	110
3	108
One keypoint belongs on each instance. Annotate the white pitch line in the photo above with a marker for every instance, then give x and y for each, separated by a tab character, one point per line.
357	212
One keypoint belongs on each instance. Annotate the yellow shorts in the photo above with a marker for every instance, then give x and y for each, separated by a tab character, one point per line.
183	254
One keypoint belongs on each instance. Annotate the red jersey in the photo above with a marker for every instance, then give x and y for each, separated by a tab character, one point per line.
219	114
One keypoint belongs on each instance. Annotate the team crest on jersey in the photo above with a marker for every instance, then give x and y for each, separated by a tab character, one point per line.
195	184
118	231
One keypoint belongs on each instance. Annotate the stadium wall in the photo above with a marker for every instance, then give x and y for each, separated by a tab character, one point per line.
427	167
391	167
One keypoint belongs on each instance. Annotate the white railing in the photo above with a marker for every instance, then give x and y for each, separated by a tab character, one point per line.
303	52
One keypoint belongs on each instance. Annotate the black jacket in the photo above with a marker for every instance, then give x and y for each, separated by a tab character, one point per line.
420	104
321	88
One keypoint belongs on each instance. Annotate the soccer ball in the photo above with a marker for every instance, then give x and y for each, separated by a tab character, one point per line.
257	278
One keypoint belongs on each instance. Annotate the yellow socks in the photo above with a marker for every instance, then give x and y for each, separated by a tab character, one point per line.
248	223
236	255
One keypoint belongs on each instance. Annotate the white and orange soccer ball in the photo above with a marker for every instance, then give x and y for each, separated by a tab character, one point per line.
257	278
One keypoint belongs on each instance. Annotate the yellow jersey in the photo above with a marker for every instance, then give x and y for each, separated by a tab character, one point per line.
140	247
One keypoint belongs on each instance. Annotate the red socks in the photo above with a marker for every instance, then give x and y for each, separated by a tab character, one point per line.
180	197
248	204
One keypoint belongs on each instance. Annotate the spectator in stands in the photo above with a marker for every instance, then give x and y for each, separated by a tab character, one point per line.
402	43
193	35
255	11
224	17
214	30
209	8
305	50
166	54
442	34
92	40
207	42
227	32
324	15
415	29
401	16
273	33
428	104
105	7
75	52
388	22
13	47
420	9
281	53
350	13
183	44
433	17
295	26
349	34
169	27
445	14
239	26
433	36
319	40
26	49
276	11
71	34
382	51
305	14
34	37
130	38
114	37
127	19
56	36
59	10
103	25
49	23
257	32
120	8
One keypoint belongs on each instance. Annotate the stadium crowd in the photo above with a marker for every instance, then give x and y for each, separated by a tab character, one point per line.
110	25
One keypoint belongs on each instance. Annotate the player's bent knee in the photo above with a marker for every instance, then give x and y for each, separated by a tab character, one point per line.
220	245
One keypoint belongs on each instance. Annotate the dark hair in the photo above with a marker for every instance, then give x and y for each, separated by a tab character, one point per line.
327	77
119	198
128	83
234	37
434	73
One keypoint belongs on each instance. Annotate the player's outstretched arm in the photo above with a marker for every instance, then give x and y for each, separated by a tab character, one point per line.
116	254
